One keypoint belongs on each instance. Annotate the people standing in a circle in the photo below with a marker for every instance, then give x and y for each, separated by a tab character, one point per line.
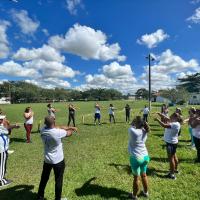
71	114
111	113
28	123
145	113
97	114
51	111
127	112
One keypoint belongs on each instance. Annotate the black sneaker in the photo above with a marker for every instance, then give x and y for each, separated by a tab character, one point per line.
171	176
144	194
131	196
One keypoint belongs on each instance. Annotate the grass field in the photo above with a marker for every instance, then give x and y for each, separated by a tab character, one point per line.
97	158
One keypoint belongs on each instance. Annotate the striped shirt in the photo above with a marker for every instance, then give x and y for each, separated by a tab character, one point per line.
4	139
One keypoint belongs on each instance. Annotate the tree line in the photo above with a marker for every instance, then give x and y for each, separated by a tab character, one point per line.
23	92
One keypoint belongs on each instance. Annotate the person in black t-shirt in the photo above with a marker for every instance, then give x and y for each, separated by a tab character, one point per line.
127	112
72	110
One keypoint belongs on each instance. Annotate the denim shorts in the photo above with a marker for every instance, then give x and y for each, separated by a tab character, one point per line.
171	148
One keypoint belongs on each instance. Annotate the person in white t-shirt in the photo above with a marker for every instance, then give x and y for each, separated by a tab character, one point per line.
53	155
139	157
145	113
194	121
111	112
28	123
97	114
4	145
172	127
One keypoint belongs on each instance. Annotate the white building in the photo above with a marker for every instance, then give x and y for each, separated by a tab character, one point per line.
194	99
161	99
5	100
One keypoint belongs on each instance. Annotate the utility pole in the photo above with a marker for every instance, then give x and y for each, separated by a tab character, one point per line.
150	58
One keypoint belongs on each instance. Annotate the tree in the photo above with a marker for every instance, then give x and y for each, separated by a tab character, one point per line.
142	93
191	82
175	95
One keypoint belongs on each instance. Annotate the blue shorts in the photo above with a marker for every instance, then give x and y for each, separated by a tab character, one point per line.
171	148
139	165
97	116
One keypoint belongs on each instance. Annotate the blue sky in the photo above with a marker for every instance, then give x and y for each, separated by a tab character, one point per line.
84	44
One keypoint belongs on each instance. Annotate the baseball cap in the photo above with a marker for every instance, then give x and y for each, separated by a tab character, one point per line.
2	116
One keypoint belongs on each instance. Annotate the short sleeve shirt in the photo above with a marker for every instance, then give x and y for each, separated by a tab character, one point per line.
4	139
171	134
53	148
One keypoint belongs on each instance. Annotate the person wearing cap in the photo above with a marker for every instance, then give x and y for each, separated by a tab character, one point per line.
4	145
53	155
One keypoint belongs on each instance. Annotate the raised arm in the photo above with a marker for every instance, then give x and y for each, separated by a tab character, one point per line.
163	116
164	125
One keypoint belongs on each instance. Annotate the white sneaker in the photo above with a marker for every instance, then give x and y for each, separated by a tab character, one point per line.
10	151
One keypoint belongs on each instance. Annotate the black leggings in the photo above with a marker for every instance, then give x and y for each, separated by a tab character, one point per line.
197	145
58	169
111	116
71	117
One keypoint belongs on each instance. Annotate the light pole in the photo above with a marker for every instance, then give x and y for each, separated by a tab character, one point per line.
150	58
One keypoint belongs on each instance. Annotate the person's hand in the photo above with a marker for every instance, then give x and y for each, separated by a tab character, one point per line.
17	126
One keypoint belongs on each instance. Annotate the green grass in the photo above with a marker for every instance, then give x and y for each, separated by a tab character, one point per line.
96	158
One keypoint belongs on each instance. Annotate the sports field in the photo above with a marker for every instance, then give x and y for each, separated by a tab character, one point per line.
97	158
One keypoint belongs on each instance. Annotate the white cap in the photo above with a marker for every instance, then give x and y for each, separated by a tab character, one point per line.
2	116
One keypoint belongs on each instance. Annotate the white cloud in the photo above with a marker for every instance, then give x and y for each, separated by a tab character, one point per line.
51	69
45	31
195	1
4	44
114	75
87	43
27	25
50	83
164	72
72	6
46	53
153	39
14	69
195	18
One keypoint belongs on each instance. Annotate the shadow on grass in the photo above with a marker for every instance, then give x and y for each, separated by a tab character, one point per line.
17	140
89	124
187	160
157	125
155	129
184	140
156	172
157	134
90	188
19	192
121	167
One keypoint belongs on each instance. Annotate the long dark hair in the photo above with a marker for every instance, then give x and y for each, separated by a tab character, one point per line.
27	109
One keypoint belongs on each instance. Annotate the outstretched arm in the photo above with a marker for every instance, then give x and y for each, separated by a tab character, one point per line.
164	125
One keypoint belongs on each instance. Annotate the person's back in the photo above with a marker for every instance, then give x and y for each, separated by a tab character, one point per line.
53	149
137	139
171	134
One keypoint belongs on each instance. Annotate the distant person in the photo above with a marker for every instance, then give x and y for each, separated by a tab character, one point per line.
97	114
111	112
71	114
4	145
127	113
53	155
28	124
165	112
179	111
51	110
139	157
172	127
195	124
145	113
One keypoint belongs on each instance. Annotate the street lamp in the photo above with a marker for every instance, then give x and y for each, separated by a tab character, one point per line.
150	58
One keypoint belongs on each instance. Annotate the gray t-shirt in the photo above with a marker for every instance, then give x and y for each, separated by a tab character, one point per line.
53	148
137	139
51	112
171	134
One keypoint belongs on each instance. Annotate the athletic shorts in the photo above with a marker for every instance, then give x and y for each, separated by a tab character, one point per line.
139	165
97	116
171	148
